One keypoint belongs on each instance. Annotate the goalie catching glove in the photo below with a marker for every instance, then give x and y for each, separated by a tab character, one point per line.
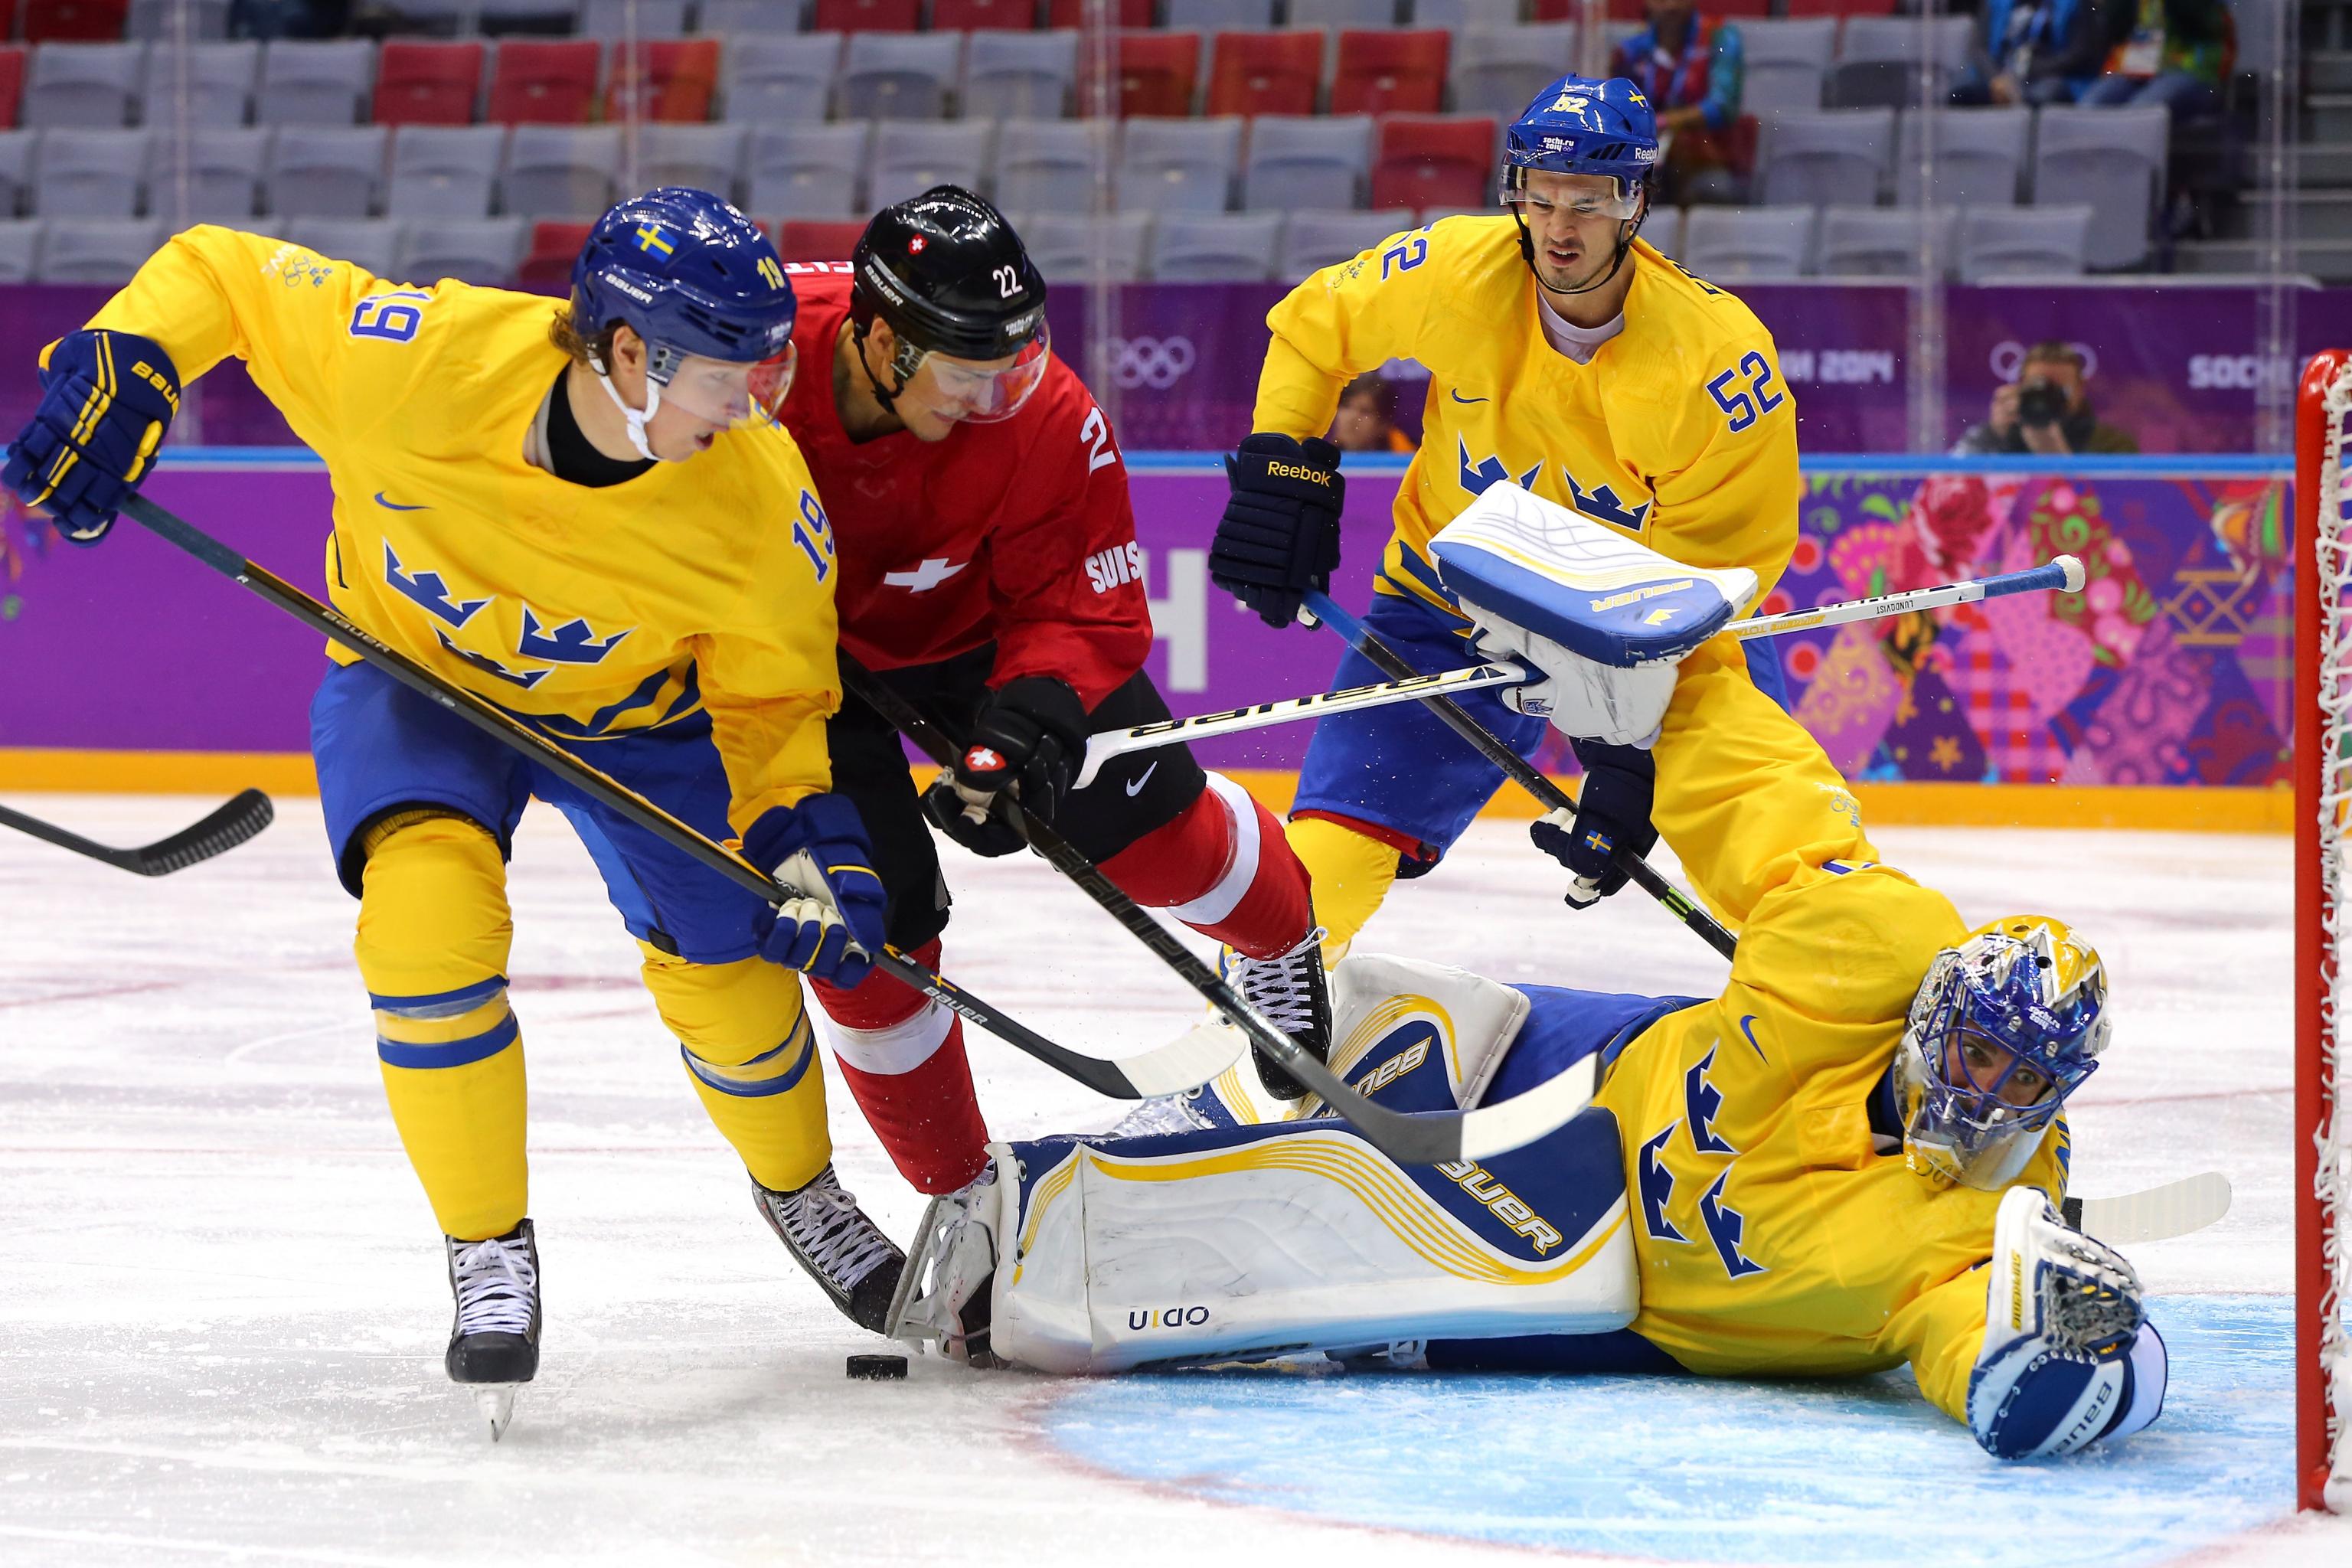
832	925
107	401
1030	738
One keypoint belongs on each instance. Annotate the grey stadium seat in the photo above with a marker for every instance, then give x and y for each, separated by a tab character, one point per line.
91	85
1306	160
1884	242
326	171
2113	160
223	177
20	246
1219	15
315	83
560	171
910	157
2010	242
1786	62
370	242
1066	246
610	19
1980	156
218	84
1215	247
97	251
17	151
897	75
1824	155
157	18
783	77
708	157
1497	70
1019	76
1664	229
1178	166
1346	14
1730	244
472	250
1878	59
1461	14
1048	165
748	18
443	170
1312	241
91	173
805	171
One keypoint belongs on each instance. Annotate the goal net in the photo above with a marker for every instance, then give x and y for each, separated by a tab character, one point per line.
2323	724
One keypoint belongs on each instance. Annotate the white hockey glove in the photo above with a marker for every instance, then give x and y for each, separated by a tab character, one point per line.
2068	1357
1582	699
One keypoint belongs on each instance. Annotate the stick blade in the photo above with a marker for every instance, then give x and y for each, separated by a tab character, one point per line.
236	821
1186	1062
2176	1208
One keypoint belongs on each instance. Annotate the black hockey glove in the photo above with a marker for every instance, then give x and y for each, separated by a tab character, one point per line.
1280	533
1030	738
1611	813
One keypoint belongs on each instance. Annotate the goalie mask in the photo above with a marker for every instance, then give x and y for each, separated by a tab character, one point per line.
2004	1028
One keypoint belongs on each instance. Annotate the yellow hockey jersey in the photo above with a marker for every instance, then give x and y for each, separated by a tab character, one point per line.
705	584
1680	431
1774	1239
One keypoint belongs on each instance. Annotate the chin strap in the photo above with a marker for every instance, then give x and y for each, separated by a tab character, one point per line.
637	419
886	397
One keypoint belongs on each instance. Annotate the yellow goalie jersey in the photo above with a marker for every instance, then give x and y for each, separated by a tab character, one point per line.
1679	432
590	612
1776	1237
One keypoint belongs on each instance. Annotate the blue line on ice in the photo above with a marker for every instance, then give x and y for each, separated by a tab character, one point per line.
1712	1470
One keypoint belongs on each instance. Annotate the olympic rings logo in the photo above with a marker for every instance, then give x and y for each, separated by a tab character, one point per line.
1156	363
2009	360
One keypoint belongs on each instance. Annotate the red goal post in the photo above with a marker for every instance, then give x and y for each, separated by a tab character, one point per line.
2323	726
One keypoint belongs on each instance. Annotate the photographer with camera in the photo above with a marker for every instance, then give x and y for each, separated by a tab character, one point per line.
2045	410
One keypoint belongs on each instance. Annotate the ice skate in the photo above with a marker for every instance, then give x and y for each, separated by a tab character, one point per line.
494	1342
842	1249
944	1292
1289	989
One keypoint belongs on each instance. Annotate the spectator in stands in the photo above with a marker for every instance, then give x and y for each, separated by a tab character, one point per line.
1690	69
2036	52
2173	54
2045	410
1367	418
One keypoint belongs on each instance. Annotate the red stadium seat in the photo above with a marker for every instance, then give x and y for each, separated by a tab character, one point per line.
984	15
808	239
1265	73
1435	160
672	80
420	83
1391	71
544	81
554	244
1838	8
1156	73
74	21
867	16
12	83
1073	13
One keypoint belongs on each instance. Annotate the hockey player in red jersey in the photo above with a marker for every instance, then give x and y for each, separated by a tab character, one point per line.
989	572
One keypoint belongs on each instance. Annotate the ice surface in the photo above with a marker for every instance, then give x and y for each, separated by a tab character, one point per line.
222	1305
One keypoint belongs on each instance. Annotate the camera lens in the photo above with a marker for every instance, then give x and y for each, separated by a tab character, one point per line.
2041	404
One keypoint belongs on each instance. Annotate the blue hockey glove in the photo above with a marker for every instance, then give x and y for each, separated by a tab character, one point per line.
818	848
1030	739
1613	812
1280	533
107	398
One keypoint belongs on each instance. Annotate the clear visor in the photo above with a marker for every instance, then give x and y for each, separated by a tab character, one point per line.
1621	201
728	393
984	391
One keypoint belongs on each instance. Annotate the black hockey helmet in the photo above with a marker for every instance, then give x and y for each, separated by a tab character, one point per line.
947	273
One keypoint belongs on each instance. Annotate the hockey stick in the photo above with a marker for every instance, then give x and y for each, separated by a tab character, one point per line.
2064	572
2176	1208
1425	1138
1178	1066
1110	743
1524	774
229	827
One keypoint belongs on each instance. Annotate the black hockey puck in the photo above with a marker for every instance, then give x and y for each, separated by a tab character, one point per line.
878	1368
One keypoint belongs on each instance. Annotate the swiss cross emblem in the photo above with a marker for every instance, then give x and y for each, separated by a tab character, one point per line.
981	760
915	246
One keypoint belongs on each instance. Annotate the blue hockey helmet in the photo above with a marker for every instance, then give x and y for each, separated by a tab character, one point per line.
1579	125
696	279
2003	1028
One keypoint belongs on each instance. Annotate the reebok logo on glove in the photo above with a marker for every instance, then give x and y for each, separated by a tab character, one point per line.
1300	471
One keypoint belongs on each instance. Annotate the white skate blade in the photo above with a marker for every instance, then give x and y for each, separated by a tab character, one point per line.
495	1400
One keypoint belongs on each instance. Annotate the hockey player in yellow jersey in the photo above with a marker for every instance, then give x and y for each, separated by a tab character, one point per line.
1565	355
1845	1161
582	511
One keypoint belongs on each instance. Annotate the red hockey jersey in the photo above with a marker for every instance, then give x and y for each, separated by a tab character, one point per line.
1019	531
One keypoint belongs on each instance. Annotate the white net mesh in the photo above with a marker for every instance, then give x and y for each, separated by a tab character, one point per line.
2330	557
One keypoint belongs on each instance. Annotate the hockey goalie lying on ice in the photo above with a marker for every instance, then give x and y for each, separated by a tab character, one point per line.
1847	1160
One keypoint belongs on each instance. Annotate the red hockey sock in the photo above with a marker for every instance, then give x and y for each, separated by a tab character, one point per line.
902	1057
1225	869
